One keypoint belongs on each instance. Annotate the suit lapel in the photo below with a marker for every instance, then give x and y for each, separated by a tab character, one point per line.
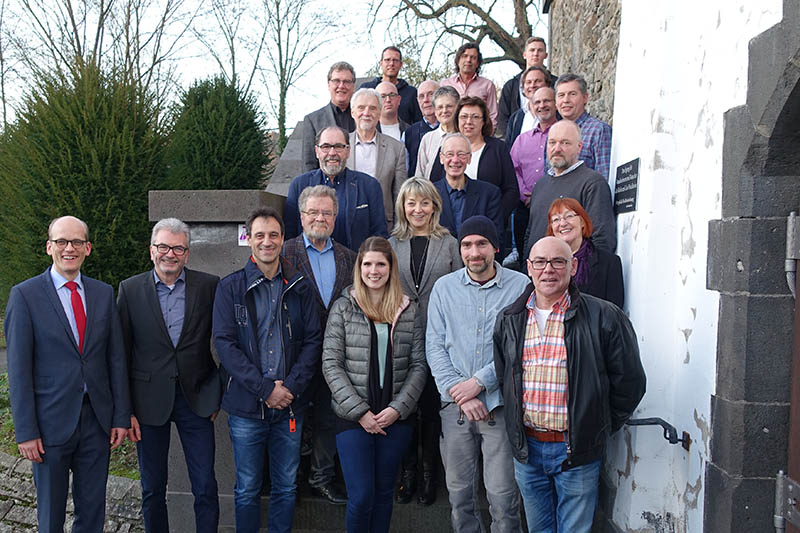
154	306
351	158
344	276
470	200
55	301
404	258
380	142
352	203
191	295
304	266
434	249
447	218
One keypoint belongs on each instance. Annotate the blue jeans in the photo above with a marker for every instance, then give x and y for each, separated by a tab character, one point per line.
251	438
197	438
556	501
370	464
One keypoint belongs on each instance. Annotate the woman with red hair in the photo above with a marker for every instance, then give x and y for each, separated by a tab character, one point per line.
599	272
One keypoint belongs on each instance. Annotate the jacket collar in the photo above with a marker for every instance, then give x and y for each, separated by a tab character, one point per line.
288	272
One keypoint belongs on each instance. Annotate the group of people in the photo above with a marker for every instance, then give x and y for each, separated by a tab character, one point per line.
376	307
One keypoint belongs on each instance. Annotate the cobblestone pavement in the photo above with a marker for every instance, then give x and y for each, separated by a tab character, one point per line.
18	500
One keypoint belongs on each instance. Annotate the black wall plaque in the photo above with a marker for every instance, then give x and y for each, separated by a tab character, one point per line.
626	187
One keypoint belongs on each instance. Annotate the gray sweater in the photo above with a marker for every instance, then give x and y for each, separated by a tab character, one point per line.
345	358
587	187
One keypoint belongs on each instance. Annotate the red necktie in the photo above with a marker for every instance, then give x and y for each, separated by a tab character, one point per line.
77	310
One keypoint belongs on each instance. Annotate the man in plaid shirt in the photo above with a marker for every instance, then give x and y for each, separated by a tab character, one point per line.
568	365
571	99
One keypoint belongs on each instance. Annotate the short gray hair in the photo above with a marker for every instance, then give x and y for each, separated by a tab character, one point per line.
365	91
318	191
446	90
568	77
455	135
342	65
172	225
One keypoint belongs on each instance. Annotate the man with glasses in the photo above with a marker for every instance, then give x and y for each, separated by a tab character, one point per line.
569	177
463	197
391	124
68	380
390	65
341	84
461	315
166	325
361	212
330	266
569	369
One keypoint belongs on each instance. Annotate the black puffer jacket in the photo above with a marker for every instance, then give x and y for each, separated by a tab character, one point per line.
606	378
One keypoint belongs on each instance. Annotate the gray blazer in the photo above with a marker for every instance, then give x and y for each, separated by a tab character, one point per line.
390	170
312	123
443	257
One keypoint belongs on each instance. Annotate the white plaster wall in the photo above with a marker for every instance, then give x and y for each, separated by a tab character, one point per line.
681	65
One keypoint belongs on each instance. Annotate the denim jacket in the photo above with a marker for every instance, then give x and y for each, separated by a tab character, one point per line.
235	338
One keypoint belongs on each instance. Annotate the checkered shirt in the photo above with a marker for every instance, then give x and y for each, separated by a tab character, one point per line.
596	137
544	369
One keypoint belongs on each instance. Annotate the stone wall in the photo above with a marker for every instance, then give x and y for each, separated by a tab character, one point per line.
584	38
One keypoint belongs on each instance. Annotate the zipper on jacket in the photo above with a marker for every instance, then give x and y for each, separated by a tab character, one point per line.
281	309
227	388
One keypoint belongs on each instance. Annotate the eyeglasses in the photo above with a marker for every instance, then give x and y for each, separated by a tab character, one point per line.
62	243
474	118
164	249
313	213
460	155
390	95
337	81
558	218
328	147
559	263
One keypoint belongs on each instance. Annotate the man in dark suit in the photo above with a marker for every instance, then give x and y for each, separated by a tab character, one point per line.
329	265
463	197
341	84
68	380
166	325
360	195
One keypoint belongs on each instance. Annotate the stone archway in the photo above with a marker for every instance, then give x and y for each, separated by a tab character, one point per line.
760	186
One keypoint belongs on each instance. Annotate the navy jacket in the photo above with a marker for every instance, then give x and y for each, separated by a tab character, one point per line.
245	387
482	199
495	167
364	217
409	107
47	372
414	135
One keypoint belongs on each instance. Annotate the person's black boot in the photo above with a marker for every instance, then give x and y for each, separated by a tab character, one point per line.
407	487
427	492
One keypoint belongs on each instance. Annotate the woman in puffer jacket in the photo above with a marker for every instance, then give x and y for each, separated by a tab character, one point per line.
373	359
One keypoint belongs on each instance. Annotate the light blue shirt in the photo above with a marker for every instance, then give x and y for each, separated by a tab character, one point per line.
461	317
172	300
323	266
64	294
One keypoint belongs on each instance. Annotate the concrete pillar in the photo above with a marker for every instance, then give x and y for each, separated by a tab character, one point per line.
214	218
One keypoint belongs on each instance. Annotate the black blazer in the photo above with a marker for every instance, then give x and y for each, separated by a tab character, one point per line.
153	361
482	199
605	277
495	167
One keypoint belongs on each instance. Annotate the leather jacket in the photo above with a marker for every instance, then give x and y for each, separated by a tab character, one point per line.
606	380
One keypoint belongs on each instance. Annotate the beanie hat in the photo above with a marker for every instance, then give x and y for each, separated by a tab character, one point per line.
479	225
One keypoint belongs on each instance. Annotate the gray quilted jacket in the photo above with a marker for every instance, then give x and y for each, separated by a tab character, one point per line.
345	358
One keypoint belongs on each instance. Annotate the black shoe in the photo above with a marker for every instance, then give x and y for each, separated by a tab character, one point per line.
330	493
407	487
427	492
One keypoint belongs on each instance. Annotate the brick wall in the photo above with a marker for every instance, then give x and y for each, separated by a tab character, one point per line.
584	37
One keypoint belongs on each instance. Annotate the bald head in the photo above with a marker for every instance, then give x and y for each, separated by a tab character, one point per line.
425	99
390	101
543	105
563	145
550	266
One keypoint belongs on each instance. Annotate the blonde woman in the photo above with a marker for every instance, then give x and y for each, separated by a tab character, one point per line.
426	251
373	359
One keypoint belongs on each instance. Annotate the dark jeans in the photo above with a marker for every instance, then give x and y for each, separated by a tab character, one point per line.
251	439
197	438
86	454
370	464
